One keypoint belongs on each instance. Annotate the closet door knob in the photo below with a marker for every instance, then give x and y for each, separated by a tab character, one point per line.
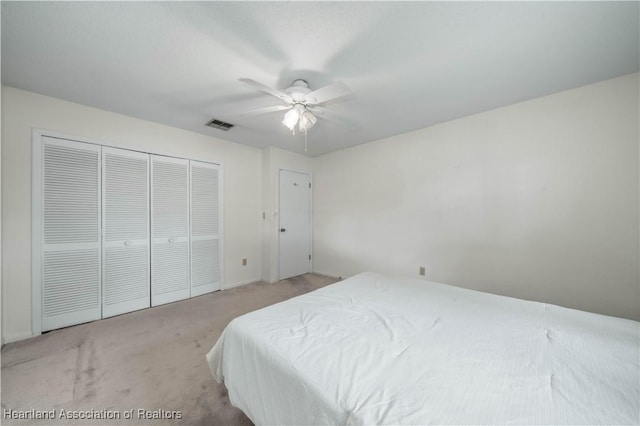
127	243
171	239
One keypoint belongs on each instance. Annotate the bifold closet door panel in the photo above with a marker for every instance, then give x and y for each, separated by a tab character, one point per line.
70	224
169	230
205	228
126	241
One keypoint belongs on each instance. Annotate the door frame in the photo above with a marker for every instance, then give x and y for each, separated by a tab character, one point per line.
277	230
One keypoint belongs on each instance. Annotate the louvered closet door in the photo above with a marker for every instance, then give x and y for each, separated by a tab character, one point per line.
169	229
70	268
125	221
205	228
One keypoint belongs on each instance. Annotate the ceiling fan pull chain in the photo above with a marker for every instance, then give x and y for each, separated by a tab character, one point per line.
305	141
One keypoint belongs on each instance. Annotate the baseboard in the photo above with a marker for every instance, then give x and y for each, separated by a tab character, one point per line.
238	284
16	337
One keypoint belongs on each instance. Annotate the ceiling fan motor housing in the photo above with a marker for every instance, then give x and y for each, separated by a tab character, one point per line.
298	91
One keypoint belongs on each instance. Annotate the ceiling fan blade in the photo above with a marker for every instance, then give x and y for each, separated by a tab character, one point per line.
266	110
328	93
329	115
270	90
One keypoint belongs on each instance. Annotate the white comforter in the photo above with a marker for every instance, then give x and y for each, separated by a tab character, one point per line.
379	350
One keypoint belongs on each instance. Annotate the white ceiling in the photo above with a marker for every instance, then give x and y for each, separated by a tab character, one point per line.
410	64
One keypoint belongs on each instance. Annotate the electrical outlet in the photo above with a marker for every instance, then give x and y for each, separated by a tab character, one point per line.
423	271
244	262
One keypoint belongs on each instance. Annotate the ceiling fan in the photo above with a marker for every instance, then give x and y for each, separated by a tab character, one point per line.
303	103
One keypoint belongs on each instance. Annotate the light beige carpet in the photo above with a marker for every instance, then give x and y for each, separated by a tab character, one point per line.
152	360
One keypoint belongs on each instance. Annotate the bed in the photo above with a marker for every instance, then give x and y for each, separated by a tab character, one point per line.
374	349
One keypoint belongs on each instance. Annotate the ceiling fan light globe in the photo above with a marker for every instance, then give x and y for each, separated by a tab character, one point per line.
307	121
291	118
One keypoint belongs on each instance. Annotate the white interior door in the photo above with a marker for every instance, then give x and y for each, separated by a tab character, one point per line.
125	221
294	224
169	229
70	224
205	228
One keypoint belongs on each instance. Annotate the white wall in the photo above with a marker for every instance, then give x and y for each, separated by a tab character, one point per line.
274	160
537	200
22	111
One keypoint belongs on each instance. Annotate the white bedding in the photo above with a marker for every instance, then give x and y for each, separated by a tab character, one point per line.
379	350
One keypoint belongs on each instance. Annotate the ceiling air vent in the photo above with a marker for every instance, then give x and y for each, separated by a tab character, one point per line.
218	124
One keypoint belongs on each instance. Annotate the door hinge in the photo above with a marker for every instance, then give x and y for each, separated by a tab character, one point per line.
309	184
309	257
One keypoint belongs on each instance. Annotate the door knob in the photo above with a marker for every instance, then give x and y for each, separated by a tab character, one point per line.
127	243
282	229
171	240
